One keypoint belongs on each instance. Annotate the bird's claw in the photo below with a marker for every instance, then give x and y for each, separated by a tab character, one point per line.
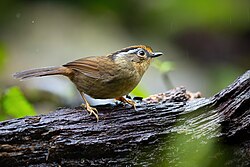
129	101
91	110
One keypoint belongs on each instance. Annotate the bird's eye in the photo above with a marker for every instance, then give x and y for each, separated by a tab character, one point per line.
141	53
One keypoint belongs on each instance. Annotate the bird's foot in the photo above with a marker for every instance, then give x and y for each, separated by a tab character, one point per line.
124	100
91	110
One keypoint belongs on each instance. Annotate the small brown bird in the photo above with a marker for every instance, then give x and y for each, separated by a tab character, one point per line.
103	77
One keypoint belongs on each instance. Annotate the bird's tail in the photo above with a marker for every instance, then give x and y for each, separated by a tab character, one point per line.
39	72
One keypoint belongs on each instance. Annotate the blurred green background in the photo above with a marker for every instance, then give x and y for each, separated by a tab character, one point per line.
206	44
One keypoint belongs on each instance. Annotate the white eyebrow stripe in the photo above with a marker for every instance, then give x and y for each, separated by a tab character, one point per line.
128	52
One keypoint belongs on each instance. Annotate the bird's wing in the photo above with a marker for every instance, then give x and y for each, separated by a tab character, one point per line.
88	66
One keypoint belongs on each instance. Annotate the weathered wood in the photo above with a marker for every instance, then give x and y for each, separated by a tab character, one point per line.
123	136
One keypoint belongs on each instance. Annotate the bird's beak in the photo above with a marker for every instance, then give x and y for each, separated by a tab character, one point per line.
156	54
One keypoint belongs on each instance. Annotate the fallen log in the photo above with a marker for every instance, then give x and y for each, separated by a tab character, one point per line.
146	137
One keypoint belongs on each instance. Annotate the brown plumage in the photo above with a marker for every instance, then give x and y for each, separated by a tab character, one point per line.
102	77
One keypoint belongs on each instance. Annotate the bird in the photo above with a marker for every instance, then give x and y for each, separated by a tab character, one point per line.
102	77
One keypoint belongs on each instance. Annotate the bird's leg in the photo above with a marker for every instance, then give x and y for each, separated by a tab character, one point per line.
90	109
124	100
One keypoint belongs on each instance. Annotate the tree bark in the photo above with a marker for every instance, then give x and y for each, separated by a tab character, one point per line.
123	136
